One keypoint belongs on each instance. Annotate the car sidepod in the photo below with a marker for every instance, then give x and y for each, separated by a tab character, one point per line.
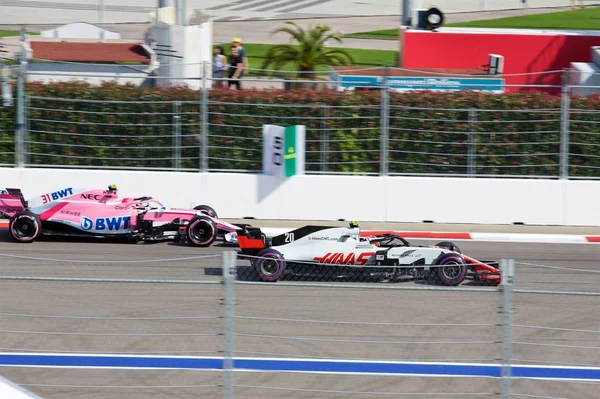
421	262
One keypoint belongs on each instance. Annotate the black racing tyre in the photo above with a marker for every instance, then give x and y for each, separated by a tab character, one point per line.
201	231
207	210
269	264
449	245
25	227
452	269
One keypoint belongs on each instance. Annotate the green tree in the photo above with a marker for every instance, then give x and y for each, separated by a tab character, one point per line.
309	52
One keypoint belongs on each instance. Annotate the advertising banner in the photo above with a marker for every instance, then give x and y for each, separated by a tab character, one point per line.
283	150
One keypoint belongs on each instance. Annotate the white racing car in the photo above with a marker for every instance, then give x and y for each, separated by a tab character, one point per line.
387	254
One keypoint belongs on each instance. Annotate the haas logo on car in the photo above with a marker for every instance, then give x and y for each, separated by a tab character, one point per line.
112	224
344	259
56	195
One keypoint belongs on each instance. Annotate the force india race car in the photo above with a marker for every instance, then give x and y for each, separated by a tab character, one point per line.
101	213
389	254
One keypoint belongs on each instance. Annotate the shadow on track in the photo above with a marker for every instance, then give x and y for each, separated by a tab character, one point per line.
333	275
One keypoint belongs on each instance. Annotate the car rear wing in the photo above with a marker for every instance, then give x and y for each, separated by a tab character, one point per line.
16	193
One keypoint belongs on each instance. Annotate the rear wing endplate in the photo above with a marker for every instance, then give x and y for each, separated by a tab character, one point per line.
17	193
251	238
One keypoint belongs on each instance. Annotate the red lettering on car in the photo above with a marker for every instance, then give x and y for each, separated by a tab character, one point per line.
343	259
337	258
364	257
322	260
350	259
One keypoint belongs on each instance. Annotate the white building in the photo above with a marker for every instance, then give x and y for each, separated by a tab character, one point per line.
83	51
176	48
183	44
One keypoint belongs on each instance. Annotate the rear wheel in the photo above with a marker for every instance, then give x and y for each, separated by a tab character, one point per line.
207	210
452	269
269	265
201	231
25	227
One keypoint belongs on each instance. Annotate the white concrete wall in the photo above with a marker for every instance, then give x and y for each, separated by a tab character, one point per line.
94	74
401	199
90	78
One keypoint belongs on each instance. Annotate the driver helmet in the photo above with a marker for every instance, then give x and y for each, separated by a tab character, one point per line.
111	192
353	225
112	189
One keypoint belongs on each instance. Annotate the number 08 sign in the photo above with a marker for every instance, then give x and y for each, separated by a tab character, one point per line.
283	150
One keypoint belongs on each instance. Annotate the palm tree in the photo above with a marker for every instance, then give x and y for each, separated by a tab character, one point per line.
310	51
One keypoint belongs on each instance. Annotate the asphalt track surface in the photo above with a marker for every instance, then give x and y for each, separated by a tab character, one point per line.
472	336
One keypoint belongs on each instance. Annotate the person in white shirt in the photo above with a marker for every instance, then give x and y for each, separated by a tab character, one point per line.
219	66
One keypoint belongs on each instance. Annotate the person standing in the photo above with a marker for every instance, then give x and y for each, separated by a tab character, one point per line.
236	68
219	64
237	43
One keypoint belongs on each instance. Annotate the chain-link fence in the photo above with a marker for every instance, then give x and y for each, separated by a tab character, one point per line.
376	132
205	325
555	322
97	314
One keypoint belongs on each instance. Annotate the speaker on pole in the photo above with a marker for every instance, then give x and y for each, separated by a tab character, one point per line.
406	13
430	19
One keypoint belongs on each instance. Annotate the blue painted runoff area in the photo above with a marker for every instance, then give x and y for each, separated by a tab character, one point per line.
299	365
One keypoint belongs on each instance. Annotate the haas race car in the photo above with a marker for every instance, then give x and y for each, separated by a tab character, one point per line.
388	254
102	213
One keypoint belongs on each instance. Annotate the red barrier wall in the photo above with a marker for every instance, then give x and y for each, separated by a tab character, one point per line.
523	53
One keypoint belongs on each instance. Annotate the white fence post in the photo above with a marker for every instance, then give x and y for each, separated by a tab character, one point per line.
177	135
507	270
384	136
472	151
564	126
204	119
229	276
324	138
20	133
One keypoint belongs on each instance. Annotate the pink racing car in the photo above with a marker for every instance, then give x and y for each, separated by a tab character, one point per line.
101	213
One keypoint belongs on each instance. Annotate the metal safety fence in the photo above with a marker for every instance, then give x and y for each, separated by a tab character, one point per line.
365	133
208	325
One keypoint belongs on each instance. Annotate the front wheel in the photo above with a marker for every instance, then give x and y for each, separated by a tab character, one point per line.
201	231
269	265
25	227
452	269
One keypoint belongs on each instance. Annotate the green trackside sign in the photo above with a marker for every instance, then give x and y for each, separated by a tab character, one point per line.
283	150
289	141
